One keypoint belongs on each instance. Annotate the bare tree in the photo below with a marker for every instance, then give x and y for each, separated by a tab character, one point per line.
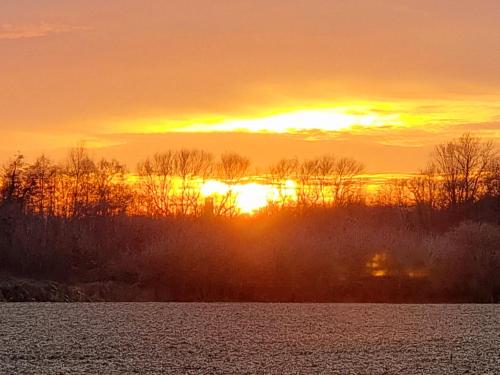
79	170
393	193
463	165
426	188
307	185
112	192
326	175
193	168
156	176
13	186
41	177
492	180
328	181
346	187
232	168
281	172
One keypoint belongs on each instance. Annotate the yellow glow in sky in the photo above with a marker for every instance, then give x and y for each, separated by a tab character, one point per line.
359	116
391	76
331	119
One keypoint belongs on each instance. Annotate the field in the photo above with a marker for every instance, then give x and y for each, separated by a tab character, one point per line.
249	338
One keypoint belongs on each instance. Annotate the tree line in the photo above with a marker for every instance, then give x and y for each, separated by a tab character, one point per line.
459	174
169	183
434	237
462	178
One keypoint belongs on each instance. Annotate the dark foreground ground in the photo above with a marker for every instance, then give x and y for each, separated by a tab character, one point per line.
196	338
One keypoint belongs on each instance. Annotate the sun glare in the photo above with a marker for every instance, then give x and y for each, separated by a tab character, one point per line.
213	187
248	198
252	197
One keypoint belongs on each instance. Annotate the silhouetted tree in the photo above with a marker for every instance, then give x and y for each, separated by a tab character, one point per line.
326	171
112	192
346	189
308	190
13	186
463	165
193	167
78	172
41	179
156	177
231	168
281	173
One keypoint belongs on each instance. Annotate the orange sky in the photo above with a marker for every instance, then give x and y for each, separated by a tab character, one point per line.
382	81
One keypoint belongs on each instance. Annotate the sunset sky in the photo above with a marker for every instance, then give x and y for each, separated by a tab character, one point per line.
381	81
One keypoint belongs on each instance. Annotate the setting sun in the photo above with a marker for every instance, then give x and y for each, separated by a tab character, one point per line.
251	197
277	161
248	198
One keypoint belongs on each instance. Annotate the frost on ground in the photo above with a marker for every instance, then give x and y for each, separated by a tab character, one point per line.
195	338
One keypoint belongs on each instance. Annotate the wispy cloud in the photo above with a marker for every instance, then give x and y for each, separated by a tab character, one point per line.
38	30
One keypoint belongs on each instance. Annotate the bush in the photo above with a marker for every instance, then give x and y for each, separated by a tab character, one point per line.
467	261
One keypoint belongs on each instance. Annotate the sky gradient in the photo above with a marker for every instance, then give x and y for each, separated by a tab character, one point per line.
377	80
